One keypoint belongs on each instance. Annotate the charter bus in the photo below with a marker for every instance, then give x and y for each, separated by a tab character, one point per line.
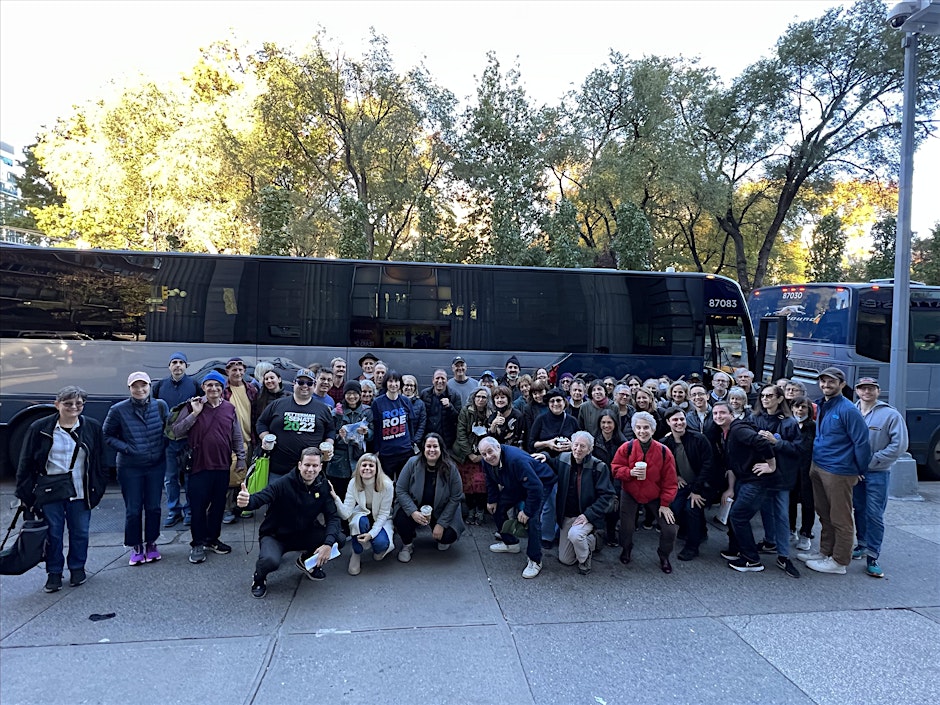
90	317
849	326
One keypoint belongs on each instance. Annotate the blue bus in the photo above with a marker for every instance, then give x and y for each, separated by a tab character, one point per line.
849	326
89	317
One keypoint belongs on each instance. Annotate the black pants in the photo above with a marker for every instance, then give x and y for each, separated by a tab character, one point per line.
207	490
272	550
802	494
407	528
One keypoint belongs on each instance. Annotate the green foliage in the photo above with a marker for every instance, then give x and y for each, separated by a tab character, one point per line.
827	248
926	257
633	243
884	236
563	233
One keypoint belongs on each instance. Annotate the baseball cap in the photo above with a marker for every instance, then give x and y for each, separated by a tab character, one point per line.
867	380
305	373
458	359
178	356
487	373
137	377
833	372
233	360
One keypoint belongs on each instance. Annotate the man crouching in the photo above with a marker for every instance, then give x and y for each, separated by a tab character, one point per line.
296	500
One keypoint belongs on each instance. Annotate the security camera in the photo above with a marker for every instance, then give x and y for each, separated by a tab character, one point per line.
901	13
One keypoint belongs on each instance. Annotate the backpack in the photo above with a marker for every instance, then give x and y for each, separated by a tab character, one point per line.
171	419
662	447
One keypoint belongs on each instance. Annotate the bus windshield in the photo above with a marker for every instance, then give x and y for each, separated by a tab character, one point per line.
814	312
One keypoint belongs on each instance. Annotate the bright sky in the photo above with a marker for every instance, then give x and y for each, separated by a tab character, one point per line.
56	54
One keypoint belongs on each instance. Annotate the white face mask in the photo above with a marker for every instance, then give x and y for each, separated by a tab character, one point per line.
799	418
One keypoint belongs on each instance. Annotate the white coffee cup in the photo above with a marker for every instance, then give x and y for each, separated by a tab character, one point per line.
640	470
426	509
268	441
327	450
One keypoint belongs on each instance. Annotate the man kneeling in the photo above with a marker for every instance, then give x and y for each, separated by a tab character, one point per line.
291	524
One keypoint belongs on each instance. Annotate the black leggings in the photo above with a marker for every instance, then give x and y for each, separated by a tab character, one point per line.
407	528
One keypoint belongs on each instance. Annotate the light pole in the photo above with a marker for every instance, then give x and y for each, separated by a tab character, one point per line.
913	18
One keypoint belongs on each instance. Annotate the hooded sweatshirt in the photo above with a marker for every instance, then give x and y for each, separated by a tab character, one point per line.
887	435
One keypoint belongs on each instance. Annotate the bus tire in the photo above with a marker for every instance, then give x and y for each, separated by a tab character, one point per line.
931	471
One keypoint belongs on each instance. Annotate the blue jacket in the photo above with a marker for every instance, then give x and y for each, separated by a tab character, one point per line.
174	393
135	431
842	446
518	477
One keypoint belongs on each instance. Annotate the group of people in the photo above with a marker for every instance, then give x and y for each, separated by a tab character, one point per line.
568	460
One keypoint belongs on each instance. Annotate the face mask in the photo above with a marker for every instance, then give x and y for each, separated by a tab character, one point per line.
800	418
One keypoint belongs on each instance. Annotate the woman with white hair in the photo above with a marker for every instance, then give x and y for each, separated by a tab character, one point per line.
647	473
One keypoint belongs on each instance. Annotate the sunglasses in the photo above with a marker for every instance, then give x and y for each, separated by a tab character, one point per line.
72	404
304	382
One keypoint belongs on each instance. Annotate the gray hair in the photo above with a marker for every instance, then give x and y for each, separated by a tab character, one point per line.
367	383
643	416
621	388
261	369
738	393
71	392
583	436
487	441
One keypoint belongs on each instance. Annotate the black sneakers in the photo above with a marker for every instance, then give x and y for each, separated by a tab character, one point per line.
218	547
729	555
687	554
77	577
258	587
786	565
767	548
743	565
53	582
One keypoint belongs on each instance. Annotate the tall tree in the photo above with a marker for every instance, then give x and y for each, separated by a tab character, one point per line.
500	163
884	238
826	104
926	257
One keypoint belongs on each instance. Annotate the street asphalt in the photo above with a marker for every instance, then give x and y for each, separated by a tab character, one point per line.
463	626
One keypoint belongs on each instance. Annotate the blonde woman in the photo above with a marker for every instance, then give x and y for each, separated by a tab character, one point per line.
368	509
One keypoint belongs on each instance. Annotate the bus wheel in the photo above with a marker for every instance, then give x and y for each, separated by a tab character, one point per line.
932	471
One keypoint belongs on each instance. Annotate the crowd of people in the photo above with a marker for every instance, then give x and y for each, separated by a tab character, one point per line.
560	460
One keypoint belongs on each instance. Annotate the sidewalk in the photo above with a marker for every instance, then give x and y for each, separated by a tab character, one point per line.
463	626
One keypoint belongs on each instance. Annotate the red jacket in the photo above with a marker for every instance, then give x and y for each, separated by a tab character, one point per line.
660	472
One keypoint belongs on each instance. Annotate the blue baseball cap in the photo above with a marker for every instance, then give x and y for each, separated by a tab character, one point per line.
178	356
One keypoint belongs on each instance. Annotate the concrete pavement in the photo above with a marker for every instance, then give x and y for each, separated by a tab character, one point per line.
463	626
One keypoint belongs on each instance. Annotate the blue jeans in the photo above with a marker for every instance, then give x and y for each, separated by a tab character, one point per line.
380	543
77	515
548	515
870	499
142	489
748	499
690	518
175	504
533	547
775	516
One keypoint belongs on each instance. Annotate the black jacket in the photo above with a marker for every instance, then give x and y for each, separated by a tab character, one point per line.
441	419
35	453
743	449
294	508
597	489
709	478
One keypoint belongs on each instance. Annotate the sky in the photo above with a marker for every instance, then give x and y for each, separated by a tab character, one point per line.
57	54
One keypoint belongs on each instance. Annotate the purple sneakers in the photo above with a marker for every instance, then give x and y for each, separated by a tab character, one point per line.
152	554
137	555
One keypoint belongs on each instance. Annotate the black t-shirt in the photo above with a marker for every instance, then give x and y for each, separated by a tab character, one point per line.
296	427
572	501
430	485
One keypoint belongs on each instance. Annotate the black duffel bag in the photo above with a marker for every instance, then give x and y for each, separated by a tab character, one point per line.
28	550
53	488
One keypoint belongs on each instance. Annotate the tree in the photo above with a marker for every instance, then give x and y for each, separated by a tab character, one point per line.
926	257
36	193
633	242
500	165
881	262
826	104
562	233
358	142
826	250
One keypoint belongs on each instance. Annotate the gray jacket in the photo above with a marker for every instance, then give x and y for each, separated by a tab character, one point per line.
887	435
448	492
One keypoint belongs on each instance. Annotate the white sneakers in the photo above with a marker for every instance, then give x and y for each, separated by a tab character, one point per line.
355	565
810	556
501	547
804	544
404	555
443	546
826	565
532	569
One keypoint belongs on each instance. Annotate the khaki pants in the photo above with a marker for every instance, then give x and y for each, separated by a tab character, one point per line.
575	543
833	498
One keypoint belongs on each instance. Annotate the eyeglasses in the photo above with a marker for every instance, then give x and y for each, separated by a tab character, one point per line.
73	404
556	400
303	382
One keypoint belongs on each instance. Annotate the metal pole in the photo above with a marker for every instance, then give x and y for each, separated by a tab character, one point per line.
901	306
